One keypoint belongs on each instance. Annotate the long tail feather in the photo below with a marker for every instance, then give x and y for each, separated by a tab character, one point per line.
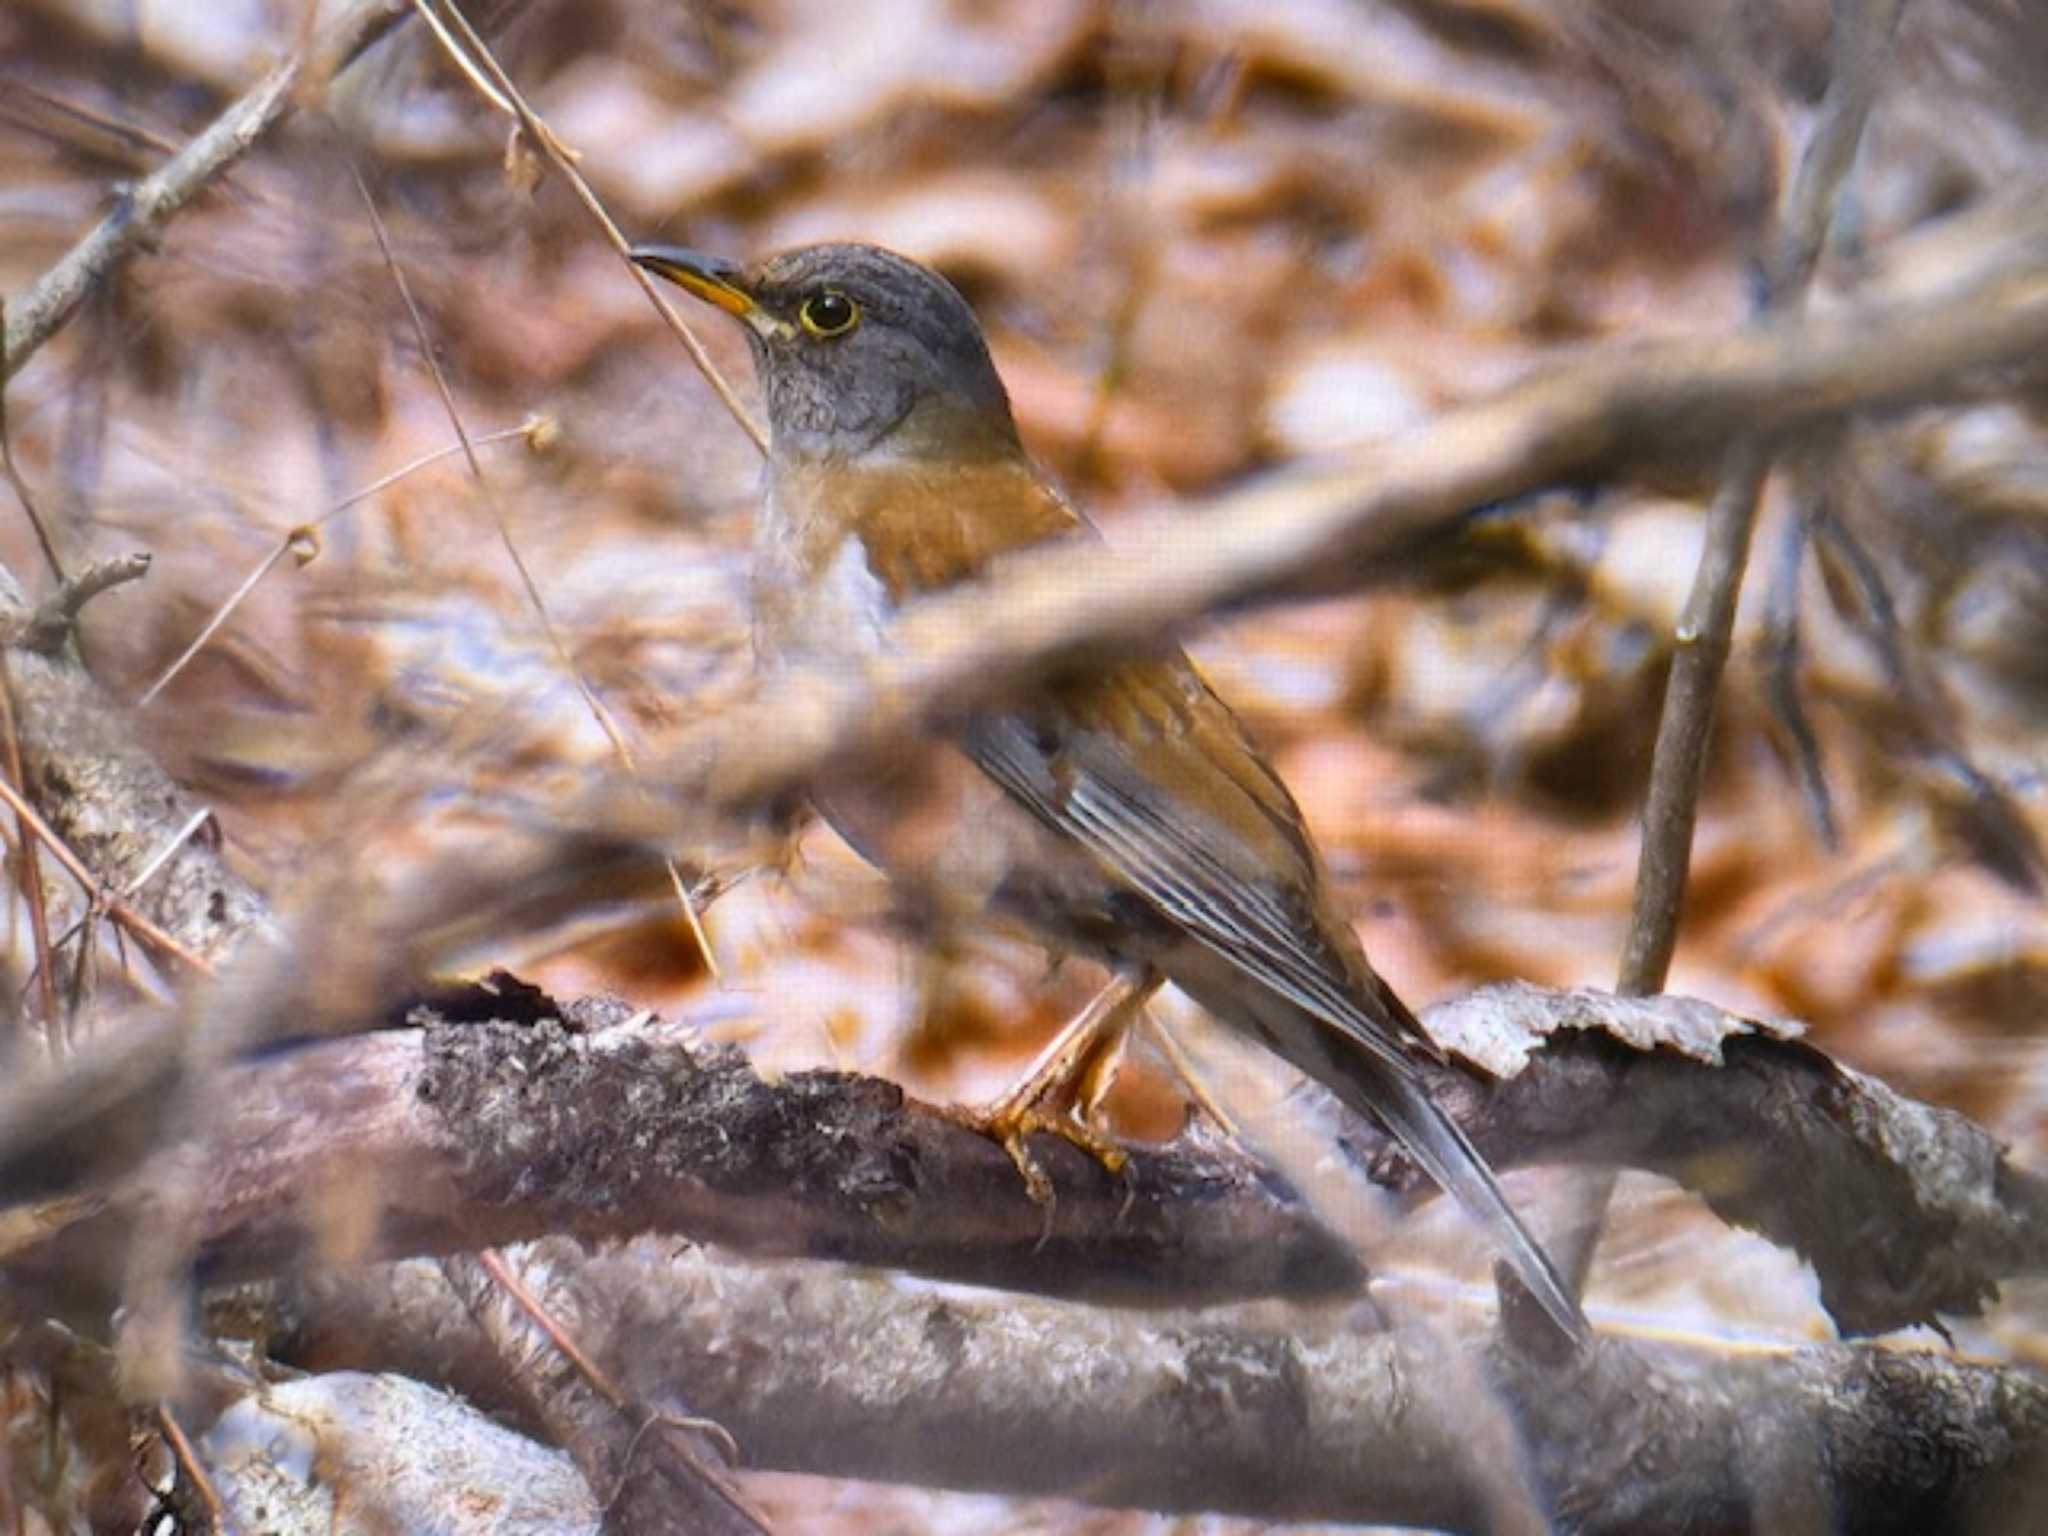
1447	1155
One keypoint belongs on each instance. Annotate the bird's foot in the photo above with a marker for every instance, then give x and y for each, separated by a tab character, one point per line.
1011	1120
1061	1092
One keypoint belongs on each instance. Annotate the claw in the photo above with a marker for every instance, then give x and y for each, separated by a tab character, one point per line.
1060	1092
1009	1125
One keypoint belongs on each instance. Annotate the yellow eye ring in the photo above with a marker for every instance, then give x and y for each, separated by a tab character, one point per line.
828	314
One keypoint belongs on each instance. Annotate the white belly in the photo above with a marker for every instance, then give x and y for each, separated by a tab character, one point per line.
843	612
948	835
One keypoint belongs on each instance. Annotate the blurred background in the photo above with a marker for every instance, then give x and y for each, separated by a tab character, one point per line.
1208	238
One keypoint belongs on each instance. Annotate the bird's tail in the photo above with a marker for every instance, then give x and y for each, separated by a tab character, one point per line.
1436	1141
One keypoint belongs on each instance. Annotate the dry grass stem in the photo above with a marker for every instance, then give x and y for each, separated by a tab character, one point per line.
304	541
475	59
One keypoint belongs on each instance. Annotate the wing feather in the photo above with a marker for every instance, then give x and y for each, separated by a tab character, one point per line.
1201	869
1235	878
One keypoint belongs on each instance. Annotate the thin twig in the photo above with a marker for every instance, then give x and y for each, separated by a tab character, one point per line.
527	579
57	615
494	1265
194	1471
617	1397
162	856
464	65
507	98
143	211
1705	630
31	867
591	701
699	935
1781	652
157	861
301	538
134	136
116	907
1189	1074
219	617
2004	840
139	219
1861	44
14	476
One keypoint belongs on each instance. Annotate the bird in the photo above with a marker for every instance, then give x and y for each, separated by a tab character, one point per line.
1122	812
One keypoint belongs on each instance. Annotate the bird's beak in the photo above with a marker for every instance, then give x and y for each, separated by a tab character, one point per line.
710	278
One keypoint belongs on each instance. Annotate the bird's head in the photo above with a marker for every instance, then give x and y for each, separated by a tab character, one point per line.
859	351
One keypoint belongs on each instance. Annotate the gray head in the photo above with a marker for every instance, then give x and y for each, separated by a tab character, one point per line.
859	350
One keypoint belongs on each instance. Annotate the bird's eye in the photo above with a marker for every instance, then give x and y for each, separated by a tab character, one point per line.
830	313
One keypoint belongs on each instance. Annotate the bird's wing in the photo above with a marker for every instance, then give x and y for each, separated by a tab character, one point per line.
1227	860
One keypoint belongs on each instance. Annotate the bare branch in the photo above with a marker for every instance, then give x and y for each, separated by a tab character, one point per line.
473	57
57	615
111	807
1316	1423
1862	43
144	209
1679	764
653	1475
1903	1209
461	1137
465	1136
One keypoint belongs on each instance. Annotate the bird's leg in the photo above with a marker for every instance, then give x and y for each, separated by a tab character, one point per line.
1185	1070
1064	1084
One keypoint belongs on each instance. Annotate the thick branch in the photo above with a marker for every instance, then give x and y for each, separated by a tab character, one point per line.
463	1136
1903	1209
110	801
834	1372
656	1475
